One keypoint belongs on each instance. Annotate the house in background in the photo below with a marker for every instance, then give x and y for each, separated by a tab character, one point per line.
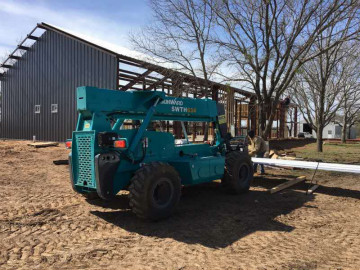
331	131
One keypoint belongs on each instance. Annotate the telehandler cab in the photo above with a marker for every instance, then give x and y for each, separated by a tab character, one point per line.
106	157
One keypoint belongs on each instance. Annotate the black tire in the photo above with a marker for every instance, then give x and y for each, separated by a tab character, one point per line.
239	172
155	191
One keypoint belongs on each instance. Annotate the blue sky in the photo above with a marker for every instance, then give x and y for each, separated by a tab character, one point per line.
108	20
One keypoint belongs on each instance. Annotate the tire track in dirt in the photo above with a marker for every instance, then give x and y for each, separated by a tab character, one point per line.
45	225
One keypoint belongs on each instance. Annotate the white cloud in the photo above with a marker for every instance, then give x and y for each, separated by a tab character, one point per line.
17	19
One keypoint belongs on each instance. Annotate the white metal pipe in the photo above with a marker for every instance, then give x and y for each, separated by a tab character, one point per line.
335	167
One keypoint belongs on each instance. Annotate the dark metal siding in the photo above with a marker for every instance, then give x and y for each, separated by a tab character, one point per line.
49	74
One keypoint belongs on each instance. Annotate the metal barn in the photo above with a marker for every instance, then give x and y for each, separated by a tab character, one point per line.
39	78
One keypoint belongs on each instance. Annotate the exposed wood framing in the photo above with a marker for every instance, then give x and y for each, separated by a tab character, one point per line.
159	82
33	38
24	48
15	57
136	80
136	74
19	47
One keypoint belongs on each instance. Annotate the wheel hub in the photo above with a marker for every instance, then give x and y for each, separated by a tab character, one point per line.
163	192
243	173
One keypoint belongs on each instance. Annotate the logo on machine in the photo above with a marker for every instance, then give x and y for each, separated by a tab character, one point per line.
178	106
183	109
172	102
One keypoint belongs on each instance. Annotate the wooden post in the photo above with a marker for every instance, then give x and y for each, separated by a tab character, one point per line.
215	97
282	121
215	94
277	123
236	117
295	121
252	112
230	100
248	117
240	118
194	123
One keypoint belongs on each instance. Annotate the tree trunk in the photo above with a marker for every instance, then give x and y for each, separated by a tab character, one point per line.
349	131
262	119
343	133
268	125
319	136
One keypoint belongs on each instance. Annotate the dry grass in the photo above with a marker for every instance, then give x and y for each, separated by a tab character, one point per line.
339	153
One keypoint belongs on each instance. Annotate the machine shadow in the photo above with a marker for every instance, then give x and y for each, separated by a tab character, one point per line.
119	202
339	192
209	217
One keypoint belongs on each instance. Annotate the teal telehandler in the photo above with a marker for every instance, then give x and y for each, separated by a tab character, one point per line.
107	156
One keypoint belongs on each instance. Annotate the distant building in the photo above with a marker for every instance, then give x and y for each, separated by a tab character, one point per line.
331	131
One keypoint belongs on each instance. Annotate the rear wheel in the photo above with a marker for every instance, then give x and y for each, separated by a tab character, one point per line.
155	191
238	173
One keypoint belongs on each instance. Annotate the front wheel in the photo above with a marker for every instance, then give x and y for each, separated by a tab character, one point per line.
238	173
155	191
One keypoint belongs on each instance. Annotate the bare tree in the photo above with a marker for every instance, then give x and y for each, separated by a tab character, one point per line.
350	111
291	122
180	35
323	83
268	41
350	94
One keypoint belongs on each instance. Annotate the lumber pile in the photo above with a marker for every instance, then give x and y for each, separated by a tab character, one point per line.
283	155
43	144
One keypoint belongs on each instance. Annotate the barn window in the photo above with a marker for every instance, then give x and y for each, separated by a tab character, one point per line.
54	108
37	108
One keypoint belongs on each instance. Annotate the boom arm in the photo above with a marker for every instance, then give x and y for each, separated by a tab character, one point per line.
98	106
135	105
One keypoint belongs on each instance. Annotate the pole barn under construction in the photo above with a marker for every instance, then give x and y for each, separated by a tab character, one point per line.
38	82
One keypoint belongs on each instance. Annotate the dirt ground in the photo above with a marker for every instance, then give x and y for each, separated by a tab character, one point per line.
45	225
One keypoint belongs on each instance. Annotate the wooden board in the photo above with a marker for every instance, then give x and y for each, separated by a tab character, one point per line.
287	184
312	189
43	144
61	162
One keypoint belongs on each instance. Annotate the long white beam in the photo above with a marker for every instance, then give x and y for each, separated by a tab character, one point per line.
335	167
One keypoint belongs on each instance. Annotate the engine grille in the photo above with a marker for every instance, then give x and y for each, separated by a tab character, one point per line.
85	160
